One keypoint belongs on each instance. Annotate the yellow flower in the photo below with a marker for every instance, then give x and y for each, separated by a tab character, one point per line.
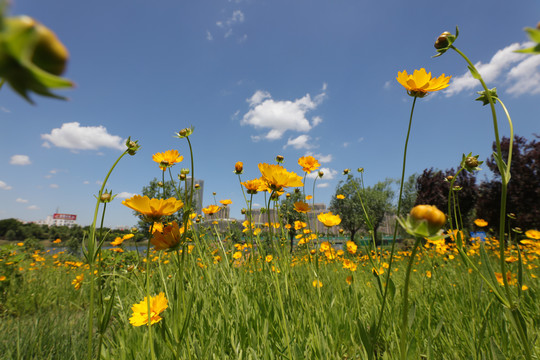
252	186
325	246
420	83
340	197
328	219
153	209
77	282
301	207
277	177
317	283
309	197
428	274
268	258
480	222
57	241
20	244
237	255
169	237
211	209
225	202
510	278
238	168
140	316
351	247
299	225
308	163
117	241
349	279
167	159
533	234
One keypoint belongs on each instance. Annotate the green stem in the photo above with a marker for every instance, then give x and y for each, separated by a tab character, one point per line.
392	249
405	304
149	323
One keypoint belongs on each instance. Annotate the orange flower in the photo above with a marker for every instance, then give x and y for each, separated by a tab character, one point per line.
226	202
238	168
211	209
252	186
167	159
277	177
308	163
169	237
533	234
340	197
317	283
328	219
57	241
480	223
420	83
301	207
153	209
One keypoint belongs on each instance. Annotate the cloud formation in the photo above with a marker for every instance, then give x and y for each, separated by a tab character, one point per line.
124	195
4	186
520	73
227	25
33	207
280	116
20	160
320	157
73	136
299	142
22	201
329	174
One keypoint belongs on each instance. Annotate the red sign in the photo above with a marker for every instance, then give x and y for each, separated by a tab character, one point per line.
64	217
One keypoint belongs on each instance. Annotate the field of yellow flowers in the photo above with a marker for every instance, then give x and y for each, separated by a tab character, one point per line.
194	293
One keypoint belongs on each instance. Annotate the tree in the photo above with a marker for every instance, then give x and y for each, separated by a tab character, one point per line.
377	201
433	189
523	197
408	198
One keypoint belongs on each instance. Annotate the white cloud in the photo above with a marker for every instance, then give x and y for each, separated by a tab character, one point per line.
320	157
280	116
323	185
387	85
124	195
236	18
4	186
22	201
20	160
48	176
519	72
76	137
54	186
300	142
346	144
329	174
86	182
33	207
209	36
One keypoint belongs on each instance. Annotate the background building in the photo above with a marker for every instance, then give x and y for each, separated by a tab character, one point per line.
198	193
58	219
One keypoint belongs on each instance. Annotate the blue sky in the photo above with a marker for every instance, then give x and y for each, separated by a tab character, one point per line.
256	79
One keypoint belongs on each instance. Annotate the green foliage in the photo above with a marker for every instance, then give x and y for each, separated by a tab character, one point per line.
375	201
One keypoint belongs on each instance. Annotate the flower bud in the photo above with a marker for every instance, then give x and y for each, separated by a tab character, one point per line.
184	132
433	217
132	146
238	168
471	161
361	170
160	184
27	49
243	211
321	174
288	195
442	40
182	177
214	193
197	186
449	178
346	171
280	158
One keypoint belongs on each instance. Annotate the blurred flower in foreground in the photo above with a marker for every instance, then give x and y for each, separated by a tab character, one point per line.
153	209
140	316
57	241
420	83
317	283
32	58
340	196
424	221
167	159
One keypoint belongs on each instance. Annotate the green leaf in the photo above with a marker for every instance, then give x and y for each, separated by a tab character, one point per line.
104	321
496	351
474	73
534	34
